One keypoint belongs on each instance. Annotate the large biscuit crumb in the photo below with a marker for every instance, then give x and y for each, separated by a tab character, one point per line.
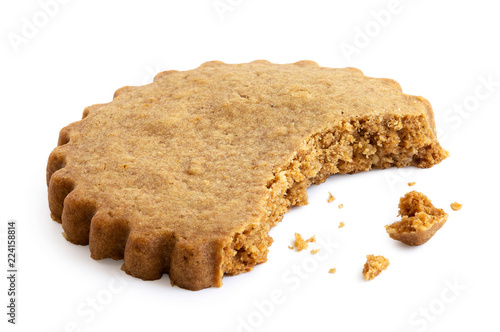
420	220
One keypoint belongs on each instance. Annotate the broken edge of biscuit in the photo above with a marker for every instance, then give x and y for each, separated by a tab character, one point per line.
420	220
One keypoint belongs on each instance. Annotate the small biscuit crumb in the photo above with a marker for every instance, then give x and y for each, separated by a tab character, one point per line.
341	224
374	265
456	206
300	243
314	251
341	206
410	184
332	271
330	197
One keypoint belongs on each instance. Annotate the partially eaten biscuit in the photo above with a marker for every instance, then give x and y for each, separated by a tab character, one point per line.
420	220
187	175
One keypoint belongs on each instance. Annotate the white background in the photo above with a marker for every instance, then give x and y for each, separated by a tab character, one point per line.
80	52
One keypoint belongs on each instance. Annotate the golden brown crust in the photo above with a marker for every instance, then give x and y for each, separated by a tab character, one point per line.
187	175
420	220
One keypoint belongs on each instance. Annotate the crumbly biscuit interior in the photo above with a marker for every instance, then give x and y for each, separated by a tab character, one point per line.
374	266
354	146
417	213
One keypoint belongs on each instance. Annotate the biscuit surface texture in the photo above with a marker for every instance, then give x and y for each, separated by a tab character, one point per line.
187	175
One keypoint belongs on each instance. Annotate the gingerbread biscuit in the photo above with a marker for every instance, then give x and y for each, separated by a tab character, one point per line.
420	220
187	175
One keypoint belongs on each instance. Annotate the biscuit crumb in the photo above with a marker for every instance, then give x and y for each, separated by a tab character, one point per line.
374	265
341	224
331	198
332	270
301	244
420	220
410	184
456	206
341	206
